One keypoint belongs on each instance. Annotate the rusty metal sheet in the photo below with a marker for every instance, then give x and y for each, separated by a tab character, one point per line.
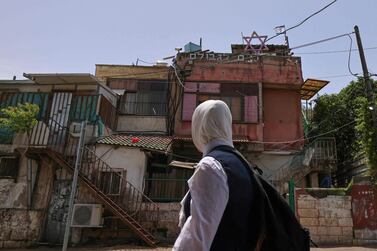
364	206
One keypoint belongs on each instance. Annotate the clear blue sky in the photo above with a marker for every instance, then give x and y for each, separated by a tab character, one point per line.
73	35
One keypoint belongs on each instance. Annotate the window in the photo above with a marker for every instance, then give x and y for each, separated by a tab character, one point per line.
9	167
142	97
111	182
242	99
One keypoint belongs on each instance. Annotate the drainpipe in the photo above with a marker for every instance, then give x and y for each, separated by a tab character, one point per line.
29	182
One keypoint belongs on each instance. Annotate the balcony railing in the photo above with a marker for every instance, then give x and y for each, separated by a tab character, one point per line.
165	189
144	108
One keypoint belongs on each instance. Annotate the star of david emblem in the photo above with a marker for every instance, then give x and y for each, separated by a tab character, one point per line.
250	47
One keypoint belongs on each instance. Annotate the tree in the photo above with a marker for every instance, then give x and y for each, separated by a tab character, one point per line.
347	111
20	118
367	133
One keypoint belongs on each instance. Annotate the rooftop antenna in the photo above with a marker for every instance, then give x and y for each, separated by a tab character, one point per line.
200	43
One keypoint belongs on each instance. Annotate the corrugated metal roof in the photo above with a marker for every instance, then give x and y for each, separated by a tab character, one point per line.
311	87
62	78
159	143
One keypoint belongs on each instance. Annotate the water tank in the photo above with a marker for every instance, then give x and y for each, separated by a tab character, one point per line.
191	47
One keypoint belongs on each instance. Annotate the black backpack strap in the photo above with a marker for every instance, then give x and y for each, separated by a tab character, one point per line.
240	156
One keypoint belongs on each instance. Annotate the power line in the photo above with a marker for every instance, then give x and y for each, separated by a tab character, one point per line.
320	41
336	76
349	57
331	52
180	81
303	21
145	62
303	139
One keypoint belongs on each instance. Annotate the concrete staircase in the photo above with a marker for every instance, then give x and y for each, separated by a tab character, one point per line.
318	155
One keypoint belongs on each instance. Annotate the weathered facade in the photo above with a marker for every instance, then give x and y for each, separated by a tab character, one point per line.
36	172
143	94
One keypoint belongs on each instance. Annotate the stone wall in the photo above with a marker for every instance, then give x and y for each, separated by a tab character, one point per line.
20	226
329	219
168	229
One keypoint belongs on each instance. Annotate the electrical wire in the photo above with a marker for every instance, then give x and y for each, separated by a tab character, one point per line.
349	57
331	52
145	62
303	21
290	160
180	81
320	41
303	139
336	76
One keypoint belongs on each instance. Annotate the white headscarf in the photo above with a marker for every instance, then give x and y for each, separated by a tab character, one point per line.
211	120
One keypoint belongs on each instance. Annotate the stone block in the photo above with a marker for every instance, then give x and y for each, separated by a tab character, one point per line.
308	222
175	206
306	204
169	216
4	233
308	213
306	197
347	204
345	240
328	222
164	206
345	222
315	238
18	234
347	231
323	231
14	244
334	213
313	230
335	231
329	239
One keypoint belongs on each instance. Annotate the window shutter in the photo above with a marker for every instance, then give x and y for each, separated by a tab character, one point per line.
189	104
209	87
251	109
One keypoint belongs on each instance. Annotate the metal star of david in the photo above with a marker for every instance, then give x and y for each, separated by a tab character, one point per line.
250	47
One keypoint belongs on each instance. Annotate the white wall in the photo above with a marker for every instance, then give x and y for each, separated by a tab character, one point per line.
271	162
141	123
131	159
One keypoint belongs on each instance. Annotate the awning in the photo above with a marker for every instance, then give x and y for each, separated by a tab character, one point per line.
185	165
62	78
311	87
158	143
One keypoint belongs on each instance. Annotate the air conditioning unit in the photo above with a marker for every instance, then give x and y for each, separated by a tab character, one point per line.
87	215
74	129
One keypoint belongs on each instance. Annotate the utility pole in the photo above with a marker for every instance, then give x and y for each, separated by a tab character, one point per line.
368	84
74	185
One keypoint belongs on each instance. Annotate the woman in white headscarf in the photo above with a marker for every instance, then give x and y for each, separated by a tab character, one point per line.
211	127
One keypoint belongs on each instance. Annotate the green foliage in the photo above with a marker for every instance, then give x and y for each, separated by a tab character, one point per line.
336	110
20	118
367	133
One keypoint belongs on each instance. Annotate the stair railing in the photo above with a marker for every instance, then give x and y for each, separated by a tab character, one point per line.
319	151
108	180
